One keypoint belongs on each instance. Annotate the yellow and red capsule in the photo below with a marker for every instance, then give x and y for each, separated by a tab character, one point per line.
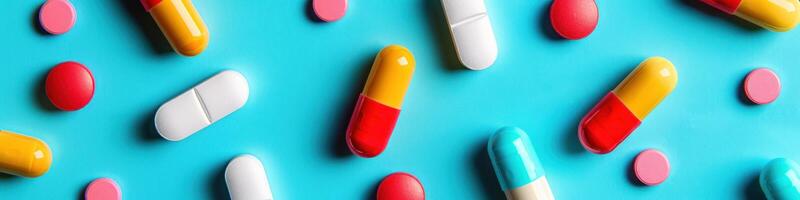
775	15
624	108
180	23
378	106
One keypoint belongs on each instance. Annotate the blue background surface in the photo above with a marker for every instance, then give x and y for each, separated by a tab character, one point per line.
305	77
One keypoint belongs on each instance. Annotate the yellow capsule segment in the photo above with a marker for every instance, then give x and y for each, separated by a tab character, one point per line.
775	15
647	85
23	155
390	76
182	25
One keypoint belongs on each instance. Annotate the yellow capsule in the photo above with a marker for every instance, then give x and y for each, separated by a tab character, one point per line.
647	85
23	155
775	15
390	76
180	23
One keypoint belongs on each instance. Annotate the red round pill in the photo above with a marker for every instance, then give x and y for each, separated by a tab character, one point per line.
400	186
574	19
69	86
762	86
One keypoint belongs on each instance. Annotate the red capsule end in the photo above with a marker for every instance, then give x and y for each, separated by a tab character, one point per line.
370	127
149	4
729	6
606	125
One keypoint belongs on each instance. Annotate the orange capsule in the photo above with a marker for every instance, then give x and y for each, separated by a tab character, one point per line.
23	155
180	23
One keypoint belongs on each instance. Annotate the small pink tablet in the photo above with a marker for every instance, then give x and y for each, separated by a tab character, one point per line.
103	189
762	86
651	167
57	16
329	10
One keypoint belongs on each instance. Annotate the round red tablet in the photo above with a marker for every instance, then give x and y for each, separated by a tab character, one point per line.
651	167
400	186
329	10
762	86
574	19
103	189
69	86
57	16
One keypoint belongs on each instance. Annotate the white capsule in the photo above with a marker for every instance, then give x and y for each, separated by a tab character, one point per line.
472	32
202	105
246	179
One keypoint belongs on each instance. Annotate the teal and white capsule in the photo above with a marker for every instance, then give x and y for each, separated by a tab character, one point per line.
517	166
780	180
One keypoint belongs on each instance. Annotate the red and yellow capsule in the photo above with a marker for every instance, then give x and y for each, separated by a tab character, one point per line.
378	106
180	23
775	15
23	155
624	108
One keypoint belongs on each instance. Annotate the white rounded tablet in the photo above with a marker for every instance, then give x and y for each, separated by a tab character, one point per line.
246	179
202	105
472	32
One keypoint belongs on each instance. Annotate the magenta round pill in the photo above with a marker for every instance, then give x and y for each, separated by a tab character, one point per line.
57	16
651	167
762	86
329	10
103	189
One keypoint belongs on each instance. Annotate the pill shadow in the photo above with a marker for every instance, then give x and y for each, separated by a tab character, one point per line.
309	11
6	177
631	175
147	26
373	193
571	143
708	10
441	31
741	95
81	194
36	24
751	189
147	127
482	168
338	139
217	188
39	93
546	26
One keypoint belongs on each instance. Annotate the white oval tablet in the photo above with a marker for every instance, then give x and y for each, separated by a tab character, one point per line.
202	105
246	179
472	32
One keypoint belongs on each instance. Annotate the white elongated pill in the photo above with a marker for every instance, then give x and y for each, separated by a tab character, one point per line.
246	179
202	105
472	32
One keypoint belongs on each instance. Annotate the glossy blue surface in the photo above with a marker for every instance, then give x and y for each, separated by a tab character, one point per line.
305	77
514	159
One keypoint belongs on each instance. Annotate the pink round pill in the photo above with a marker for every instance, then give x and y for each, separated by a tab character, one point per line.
329	10
103	189
651	167
57	16
762	86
